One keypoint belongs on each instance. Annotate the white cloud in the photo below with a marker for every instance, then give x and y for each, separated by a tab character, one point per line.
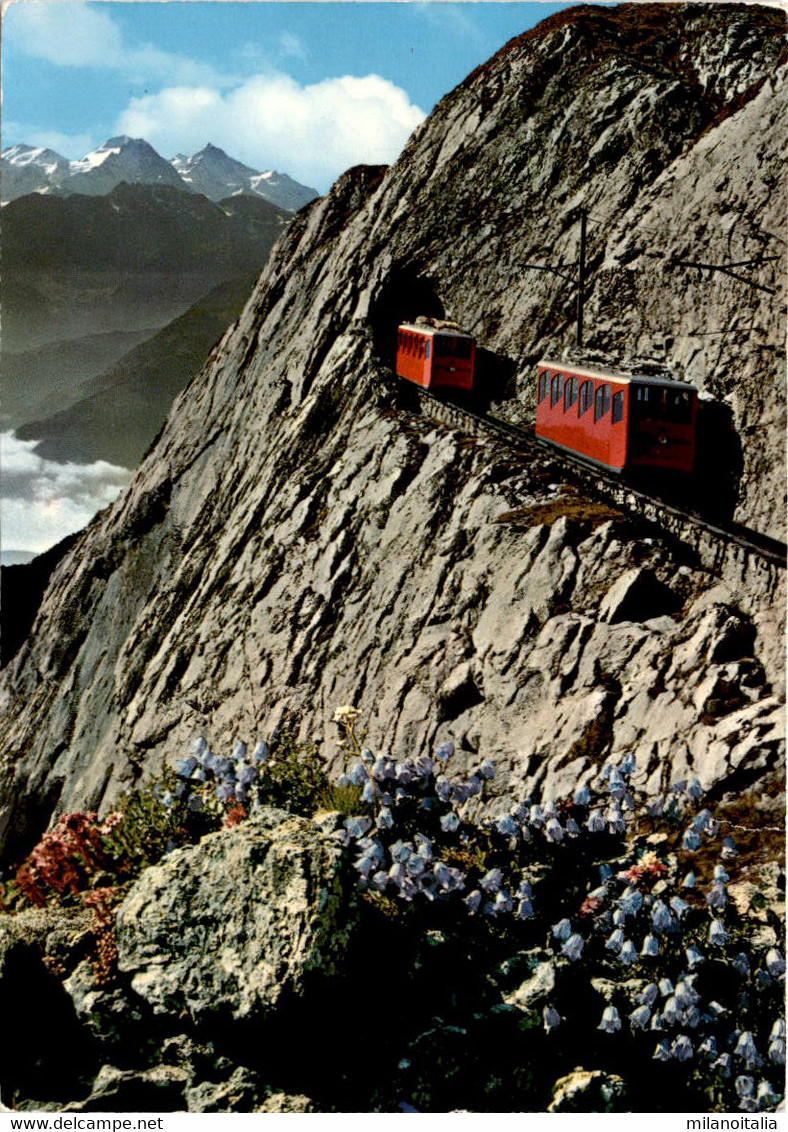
449	18
291	46
311	132
80	35
42	501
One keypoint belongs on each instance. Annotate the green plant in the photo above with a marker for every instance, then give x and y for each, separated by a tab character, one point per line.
295	778
156	818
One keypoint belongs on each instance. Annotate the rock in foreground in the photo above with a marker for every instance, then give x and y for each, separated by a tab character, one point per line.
267	910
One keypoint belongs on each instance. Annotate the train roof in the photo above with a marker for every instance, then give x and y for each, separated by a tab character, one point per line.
621	375
417	328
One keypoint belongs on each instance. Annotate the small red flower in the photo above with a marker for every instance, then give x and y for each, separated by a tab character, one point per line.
590	906
234	816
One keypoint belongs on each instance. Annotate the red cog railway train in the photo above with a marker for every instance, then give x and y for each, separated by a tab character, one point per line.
434	357
619	420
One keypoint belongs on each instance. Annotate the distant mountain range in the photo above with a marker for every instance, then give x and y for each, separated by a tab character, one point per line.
27	169
120	272
133	259
117	414
111	303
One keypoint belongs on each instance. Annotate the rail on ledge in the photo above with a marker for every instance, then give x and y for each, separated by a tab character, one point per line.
727	549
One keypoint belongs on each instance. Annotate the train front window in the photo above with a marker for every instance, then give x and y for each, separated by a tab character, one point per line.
662	403
602	403
556	388
570	393
447	346
586	397
618	407
680	406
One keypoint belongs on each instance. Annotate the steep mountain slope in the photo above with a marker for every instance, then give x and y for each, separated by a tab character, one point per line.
294	540
121	410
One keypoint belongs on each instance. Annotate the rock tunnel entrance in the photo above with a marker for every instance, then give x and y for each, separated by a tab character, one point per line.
406	294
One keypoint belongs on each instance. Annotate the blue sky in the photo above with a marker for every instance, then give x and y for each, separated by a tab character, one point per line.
306	88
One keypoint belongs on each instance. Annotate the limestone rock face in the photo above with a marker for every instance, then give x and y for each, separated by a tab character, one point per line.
238	923
295	540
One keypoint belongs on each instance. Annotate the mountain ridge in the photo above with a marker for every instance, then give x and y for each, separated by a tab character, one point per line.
123	407
86	278
64	257
212	172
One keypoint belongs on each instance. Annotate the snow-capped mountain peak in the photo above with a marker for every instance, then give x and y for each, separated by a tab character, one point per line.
25	155
28	169
120	159
31	169
216	175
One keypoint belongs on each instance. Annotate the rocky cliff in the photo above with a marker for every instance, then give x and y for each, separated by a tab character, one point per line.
296	540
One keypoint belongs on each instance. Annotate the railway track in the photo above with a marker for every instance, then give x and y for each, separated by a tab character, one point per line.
719	544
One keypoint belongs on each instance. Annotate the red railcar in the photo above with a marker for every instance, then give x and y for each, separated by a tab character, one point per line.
616	419
435	358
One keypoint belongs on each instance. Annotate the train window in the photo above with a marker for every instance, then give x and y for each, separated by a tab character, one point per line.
570	393
586	397
618	407
427	348
642	393
602	403
556	388
447	346
680	407
542	385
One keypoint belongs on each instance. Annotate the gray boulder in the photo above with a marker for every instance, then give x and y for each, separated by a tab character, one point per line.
241	921
589	1090
159	1089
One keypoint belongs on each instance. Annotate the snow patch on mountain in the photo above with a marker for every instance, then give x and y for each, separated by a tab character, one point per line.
29	169
216	175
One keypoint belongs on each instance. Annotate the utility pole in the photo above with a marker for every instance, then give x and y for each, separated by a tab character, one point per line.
581	275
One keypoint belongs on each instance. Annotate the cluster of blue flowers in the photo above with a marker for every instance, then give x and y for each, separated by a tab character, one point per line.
637	922
653	931
640	919
406	849
204	778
